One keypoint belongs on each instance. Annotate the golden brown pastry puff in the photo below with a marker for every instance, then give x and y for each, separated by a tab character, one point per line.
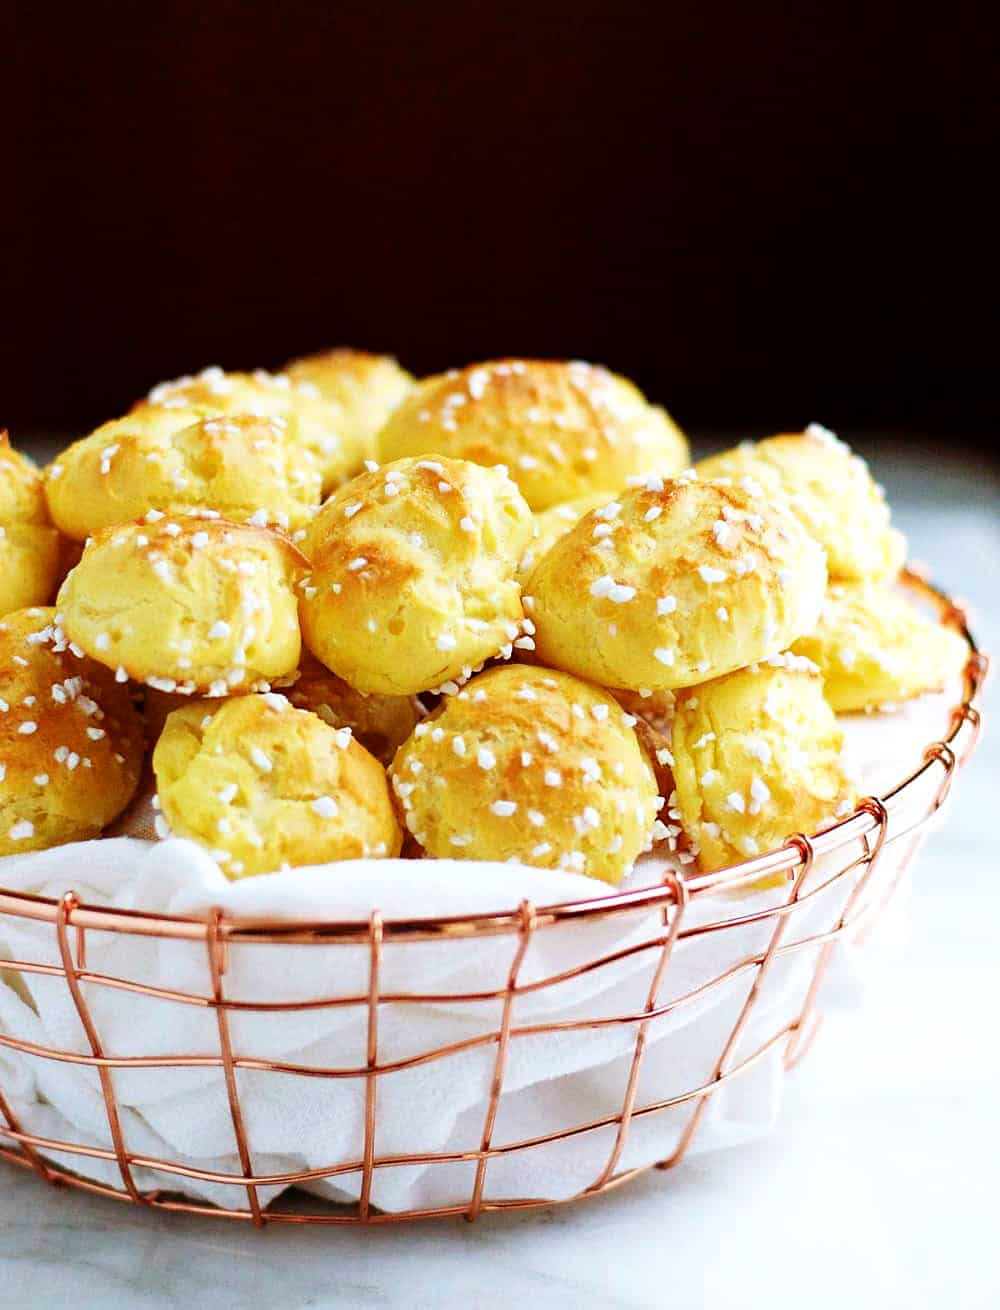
532	765
311	423
757	756
238	467
412	583
70	741
187	604
29	545
264	785
365	387
674	583
829	489
874	647
563	430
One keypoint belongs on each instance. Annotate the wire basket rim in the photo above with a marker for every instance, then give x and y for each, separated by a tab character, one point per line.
784	860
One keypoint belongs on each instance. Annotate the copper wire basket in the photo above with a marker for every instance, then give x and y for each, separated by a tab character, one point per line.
849	855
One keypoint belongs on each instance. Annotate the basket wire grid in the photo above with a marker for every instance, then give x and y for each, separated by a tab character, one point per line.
867	831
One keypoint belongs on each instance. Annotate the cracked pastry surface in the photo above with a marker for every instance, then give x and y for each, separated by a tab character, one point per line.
175	460
757	757
412	581
562	430
71	742
873	648
673	583
529	764
187	604
829	489
310	422
264	785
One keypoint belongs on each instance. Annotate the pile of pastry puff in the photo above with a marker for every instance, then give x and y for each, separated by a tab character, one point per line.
490	615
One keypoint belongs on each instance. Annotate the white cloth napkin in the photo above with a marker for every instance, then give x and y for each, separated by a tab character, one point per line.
553	1080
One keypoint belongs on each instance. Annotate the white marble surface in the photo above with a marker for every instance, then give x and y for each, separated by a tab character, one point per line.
878	1188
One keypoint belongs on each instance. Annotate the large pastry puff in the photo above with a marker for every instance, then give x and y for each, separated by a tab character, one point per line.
874	648
757	756
29	545
563	430
533	765
365	387
674	583
264	786
311	422
380	723
829	489
187	604
239	466
412	581
70	741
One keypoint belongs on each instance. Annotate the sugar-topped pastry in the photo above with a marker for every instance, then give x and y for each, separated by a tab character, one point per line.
412	583
29	545
531	765
365	387
264	786
70	741
563	430
673	583
187	604
874	648
550	525
380	723
831	492
310	422
237	466
757	757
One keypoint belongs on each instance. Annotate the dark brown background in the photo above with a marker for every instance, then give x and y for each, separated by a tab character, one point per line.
764	212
